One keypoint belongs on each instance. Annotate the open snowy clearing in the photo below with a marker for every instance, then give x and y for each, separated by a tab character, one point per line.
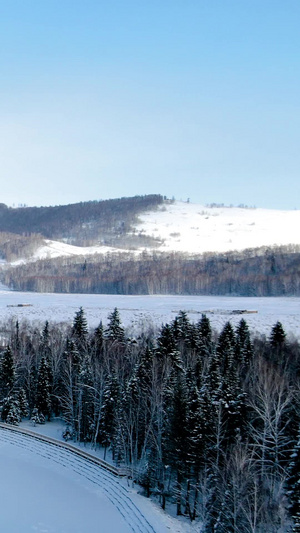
144	311
49	490
195	228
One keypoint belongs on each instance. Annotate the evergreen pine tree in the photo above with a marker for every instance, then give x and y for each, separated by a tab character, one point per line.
114	330
13	415
86	398
166	343
35	418
167	347
7	372
176	442
182	327
80	329
226	347
204	331
23	403
278	336
46	335
109	413
43	399
97	343
15	339
293	487
243	347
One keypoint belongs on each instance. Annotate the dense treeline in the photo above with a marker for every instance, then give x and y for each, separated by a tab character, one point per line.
257	272
84	223
205	421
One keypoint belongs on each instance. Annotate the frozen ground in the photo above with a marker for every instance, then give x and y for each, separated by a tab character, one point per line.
142	311
195	228
46	489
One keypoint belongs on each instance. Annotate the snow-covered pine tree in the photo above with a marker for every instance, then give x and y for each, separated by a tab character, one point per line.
204	330
86	401
293	487
23	403
114	330
243	346
45	336
226	347
167	347
109	413
7	372
80	329
35	419
278	335
177	436
13	415
43	398
97	344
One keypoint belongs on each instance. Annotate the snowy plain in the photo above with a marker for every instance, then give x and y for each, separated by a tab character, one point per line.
49	490
143	311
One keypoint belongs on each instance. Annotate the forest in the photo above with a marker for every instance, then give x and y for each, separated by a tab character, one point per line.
268	271
81	224
206	422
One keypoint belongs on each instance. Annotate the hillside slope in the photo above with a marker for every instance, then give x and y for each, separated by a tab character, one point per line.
167	248
154	224
83	224
193	228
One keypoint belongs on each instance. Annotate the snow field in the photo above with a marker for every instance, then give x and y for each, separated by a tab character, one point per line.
141	312
54	490
194	228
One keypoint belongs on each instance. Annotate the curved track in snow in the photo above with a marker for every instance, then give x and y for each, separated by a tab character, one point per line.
101	478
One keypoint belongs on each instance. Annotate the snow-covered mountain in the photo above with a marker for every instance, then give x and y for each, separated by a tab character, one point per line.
194	228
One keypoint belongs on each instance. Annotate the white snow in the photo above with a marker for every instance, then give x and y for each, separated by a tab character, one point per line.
144	311
49	490
195	228
52	249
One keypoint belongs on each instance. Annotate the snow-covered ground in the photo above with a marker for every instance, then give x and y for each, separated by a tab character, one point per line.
142	311
49	490
52	249
194	228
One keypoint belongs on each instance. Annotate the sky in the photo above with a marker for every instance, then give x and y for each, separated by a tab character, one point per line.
193	99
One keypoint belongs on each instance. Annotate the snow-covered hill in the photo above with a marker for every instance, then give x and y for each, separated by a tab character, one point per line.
194	228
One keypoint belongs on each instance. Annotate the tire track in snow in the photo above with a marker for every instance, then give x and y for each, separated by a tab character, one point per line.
99	477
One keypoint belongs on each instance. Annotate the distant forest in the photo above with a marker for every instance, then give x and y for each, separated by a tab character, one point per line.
260	272
81	224
207	423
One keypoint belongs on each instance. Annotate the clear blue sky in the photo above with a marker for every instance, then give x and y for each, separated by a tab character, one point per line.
194	99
